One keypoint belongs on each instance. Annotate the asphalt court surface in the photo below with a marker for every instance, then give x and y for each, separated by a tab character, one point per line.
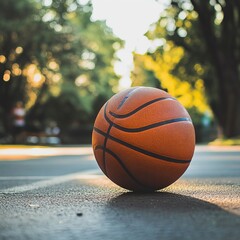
60	193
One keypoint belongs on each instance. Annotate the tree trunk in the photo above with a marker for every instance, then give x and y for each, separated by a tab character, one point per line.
224	53
231	115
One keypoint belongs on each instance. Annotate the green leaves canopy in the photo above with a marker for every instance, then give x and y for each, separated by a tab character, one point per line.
53	50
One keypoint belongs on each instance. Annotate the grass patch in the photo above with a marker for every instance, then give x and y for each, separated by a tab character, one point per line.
225	142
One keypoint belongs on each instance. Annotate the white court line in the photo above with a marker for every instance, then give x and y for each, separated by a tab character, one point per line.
48	151
14	178
51	182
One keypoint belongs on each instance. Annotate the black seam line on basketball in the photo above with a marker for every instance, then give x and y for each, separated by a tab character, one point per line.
104	147
144	128
158	124
139	108
105	115
126	97
122	165
143	151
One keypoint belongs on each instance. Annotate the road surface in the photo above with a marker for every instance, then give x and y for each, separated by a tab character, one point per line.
60	193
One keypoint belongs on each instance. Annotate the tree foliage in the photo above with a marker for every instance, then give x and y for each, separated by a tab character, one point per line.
158	66
142	75
209	33
54	55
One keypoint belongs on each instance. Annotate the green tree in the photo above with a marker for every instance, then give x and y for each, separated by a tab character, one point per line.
19	47
141	75
155	69
49	52
209	33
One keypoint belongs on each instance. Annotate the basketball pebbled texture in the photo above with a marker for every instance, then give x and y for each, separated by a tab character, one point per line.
143	139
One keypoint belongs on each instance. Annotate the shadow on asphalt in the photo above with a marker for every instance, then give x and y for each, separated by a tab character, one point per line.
162	201
175	214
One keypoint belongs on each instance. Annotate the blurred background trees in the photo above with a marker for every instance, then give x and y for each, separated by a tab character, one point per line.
55	60
60	63
199	46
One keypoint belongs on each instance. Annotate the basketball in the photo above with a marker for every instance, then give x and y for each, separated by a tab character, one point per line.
143	139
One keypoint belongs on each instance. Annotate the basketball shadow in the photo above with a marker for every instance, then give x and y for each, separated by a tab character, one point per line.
161	201
174	216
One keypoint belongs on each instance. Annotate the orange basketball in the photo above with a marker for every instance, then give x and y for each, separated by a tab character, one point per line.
143	139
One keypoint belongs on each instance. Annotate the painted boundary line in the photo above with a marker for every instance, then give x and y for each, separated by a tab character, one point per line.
21	178
50	151
51	182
